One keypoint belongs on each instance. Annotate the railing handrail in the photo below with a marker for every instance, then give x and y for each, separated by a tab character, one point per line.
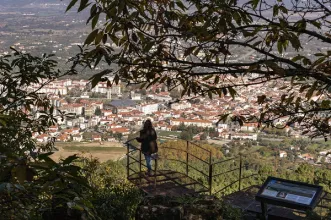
185	151
228	171
231	158
226	160
210	175
196	145
208	161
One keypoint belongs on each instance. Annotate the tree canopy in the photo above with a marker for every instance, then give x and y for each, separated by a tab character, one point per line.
32	185
190	44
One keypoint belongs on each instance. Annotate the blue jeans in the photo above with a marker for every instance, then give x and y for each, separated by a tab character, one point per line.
148	162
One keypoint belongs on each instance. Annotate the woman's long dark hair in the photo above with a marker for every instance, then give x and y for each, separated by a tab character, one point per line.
148	125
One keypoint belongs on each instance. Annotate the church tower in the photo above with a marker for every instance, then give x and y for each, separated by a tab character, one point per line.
108	93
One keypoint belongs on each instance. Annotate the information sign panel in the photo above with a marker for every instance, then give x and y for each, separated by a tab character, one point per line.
291	194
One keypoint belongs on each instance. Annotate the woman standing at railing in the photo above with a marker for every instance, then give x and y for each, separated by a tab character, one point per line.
148	142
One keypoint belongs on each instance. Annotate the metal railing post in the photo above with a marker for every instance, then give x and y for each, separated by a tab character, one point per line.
155	180
127	160
139	161
187	145
240	167
210	174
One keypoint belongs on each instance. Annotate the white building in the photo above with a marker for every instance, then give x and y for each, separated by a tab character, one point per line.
135	96
243	136
282	154
181	105
187	122
148	108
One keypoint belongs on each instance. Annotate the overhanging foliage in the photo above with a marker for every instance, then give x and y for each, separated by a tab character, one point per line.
189	44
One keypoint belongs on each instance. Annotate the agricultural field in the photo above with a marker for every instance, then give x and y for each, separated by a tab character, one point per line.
104	152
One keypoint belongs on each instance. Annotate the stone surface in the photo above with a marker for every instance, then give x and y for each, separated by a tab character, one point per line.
183	208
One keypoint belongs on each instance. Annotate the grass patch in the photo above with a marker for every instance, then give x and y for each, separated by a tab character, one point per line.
88	144
94	149
254	149
168	133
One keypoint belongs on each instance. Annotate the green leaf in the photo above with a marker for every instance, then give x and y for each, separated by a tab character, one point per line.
180	5
98	38
91	37
3	122
47	159
95	20
255	3
189	50
207	77
121	6
141	36
69	159
104	38
217	60
261	99
319	61
306	61
237	18
310	92
295	41
280	47
223	118
93	12
83	5
232	91
116	79
219	92
217	79
134	37
225	91
77	207
275	10
210	94
298	57
45	155
283	9
71	4
95	79
142	85
316	24
325	104
148	46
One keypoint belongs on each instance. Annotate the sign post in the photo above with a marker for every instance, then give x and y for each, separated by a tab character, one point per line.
287	193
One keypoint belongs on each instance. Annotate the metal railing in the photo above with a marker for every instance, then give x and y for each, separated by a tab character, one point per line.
134	157
191	166
131	149
240	170
235	167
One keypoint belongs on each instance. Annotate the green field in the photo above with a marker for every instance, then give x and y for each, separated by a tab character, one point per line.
253	149
88	144
94	149
168	133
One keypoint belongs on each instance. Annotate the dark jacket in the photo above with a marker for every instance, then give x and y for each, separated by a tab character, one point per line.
147	139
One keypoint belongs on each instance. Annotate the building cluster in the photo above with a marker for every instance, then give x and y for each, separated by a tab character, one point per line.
105	119
92	114
322	156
